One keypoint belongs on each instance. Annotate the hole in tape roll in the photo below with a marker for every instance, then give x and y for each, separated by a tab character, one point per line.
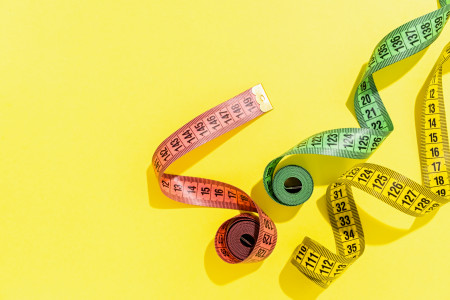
247	240
293	185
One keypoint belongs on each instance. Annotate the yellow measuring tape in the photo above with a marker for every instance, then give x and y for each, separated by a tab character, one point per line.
311	258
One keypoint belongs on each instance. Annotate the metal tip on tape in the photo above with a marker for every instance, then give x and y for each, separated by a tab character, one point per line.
261	98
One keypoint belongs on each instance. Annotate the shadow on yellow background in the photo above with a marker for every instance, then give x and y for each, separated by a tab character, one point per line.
350	100
222	273
297	286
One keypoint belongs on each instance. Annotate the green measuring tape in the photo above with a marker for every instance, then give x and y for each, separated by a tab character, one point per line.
376	125
293	185
300	188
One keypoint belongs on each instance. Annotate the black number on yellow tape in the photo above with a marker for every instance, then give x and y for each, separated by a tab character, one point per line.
311	258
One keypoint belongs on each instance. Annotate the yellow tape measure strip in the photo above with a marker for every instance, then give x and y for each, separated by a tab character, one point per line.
321	265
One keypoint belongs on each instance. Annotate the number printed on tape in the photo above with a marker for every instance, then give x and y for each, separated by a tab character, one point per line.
205	192
312	259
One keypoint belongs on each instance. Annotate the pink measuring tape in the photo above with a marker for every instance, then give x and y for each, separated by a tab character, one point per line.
246	237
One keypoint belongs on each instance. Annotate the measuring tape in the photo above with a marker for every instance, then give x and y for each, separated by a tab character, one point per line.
315	261
244	238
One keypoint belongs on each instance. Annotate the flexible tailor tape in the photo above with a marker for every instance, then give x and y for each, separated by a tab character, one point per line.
246	237
315	261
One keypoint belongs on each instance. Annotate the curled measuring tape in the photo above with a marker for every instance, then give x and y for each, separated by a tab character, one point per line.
311	258
321	265
376	125
246	237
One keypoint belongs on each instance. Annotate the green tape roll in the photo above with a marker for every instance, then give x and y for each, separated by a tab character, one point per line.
287	196
373	118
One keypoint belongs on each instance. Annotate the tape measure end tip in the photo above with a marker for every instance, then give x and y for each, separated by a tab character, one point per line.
261	98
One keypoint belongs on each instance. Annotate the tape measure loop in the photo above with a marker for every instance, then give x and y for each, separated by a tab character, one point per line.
311	258
244	238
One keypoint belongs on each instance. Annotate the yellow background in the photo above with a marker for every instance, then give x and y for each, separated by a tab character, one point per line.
89	88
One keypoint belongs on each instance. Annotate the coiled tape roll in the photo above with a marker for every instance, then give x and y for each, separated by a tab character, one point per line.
315	261
246	237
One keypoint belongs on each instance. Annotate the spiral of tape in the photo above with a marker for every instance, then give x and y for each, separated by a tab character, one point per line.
375	123
246	237
311	258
